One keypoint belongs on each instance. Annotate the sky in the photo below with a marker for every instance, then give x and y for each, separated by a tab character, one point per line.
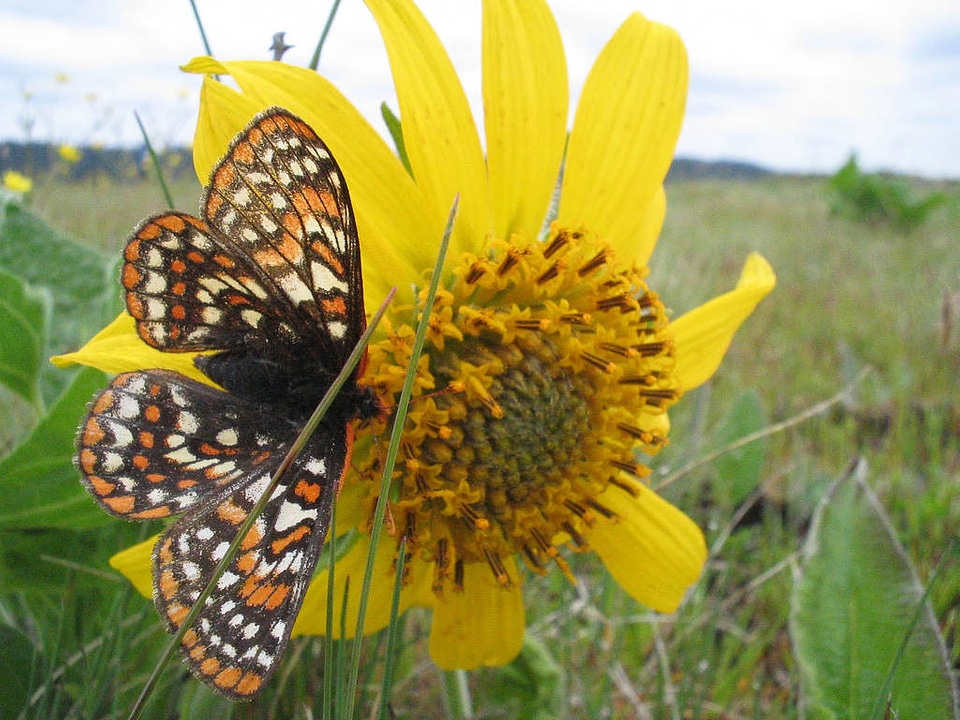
791	86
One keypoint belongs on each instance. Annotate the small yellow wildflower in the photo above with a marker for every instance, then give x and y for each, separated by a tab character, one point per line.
69	153
17	182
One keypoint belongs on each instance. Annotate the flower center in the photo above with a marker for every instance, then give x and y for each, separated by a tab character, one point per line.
552	366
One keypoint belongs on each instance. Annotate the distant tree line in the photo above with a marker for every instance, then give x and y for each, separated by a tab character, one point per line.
35	159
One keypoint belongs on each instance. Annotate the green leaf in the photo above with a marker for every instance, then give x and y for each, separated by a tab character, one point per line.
739	470
23	313
396	134
79	279
857	599
39	485
532	685
19	661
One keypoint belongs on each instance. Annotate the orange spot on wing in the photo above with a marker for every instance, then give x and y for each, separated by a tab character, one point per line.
231	513
93	434
250	684
168	587
293	224
146	439
134	307
309	491
228	678
244	151
149	232
329	258
176	613
164	554
281	544
225	176
132	251
280	593
104	401
174	223
157	512
130	277
224	261
121	505
253	537
246	563
334	306
260	595
214	203
100	486
140	462
151	413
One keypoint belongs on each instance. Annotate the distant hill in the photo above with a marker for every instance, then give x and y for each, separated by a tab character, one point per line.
690	169
38	159
35	159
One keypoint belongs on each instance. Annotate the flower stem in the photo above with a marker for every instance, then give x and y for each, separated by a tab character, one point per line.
459	702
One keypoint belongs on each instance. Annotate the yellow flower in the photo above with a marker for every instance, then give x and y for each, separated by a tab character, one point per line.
69	153
556	363
17	182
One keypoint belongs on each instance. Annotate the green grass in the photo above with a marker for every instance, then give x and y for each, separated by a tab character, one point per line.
849	296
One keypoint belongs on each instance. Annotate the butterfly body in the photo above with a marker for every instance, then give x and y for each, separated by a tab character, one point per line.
291	388
269	280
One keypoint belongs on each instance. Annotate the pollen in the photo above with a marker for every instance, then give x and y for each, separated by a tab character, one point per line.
547	370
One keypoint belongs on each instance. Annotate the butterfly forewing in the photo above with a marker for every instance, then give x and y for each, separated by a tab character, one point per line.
237	639
281	198
187	291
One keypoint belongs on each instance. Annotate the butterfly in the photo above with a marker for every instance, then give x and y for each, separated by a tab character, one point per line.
270	281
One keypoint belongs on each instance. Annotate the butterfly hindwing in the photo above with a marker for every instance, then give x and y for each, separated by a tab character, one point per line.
237	640
155	443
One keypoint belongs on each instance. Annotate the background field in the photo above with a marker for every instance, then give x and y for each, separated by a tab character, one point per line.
850	296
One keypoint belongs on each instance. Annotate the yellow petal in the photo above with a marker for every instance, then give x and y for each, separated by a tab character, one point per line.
652	549
216	129
483	625
313	616
117	348
438	128
390	212
624	134
135	564
525	112
703	335
352	509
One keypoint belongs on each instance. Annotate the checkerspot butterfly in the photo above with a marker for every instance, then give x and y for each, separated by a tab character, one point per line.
270	280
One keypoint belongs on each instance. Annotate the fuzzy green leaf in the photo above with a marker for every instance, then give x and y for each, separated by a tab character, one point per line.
39	485
78	279
23	313
856	600
740	469
19	661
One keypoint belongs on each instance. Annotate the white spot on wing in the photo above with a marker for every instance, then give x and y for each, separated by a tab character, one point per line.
292	514
323	277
